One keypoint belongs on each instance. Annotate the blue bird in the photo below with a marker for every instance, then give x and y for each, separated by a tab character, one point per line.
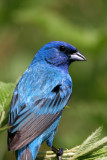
39	99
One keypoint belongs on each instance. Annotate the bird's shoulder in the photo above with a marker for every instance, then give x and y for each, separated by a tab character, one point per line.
41	79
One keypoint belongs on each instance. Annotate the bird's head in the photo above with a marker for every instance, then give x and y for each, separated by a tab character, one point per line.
59	53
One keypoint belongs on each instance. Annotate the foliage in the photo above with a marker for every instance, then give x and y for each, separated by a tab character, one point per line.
92	148
6	91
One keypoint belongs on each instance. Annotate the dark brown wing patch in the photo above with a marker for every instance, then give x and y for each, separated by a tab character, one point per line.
30	130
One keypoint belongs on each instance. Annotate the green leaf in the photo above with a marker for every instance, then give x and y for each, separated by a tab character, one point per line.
6	91
92	147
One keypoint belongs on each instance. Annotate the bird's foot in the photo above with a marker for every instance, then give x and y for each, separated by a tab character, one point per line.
58	152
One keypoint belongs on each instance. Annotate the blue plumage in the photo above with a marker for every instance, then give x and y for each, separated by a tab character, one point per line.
39	99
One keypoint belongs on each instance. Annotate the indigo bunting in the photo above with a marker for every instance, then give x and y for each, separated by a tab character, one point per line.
39	99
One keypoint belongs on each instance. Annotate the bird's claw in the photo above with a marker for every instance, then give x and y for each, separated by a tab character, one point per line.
59	152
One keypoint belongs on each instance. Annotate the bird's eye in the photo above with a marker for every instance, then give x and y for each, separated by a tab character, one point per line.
62	48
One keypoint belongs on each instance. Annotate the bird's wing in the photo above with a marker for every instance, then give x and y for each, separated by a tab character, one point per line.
30	120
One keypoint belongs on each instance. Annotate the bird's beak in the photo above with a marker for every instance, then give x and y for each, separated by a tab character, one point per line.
77	57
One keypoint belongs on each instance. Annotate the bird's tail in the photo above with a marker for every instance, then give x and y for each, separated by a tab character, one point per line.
29	152
24	154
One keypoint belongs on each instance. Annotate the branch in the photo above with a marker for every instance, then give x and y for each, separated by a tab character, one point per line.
50	155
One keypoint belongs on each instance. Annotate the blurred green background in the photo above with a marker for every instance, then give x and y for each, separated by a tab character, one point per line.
25	26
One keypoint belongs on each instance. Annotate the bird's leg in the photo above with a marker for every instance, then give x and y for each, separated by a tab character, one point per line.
58	152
